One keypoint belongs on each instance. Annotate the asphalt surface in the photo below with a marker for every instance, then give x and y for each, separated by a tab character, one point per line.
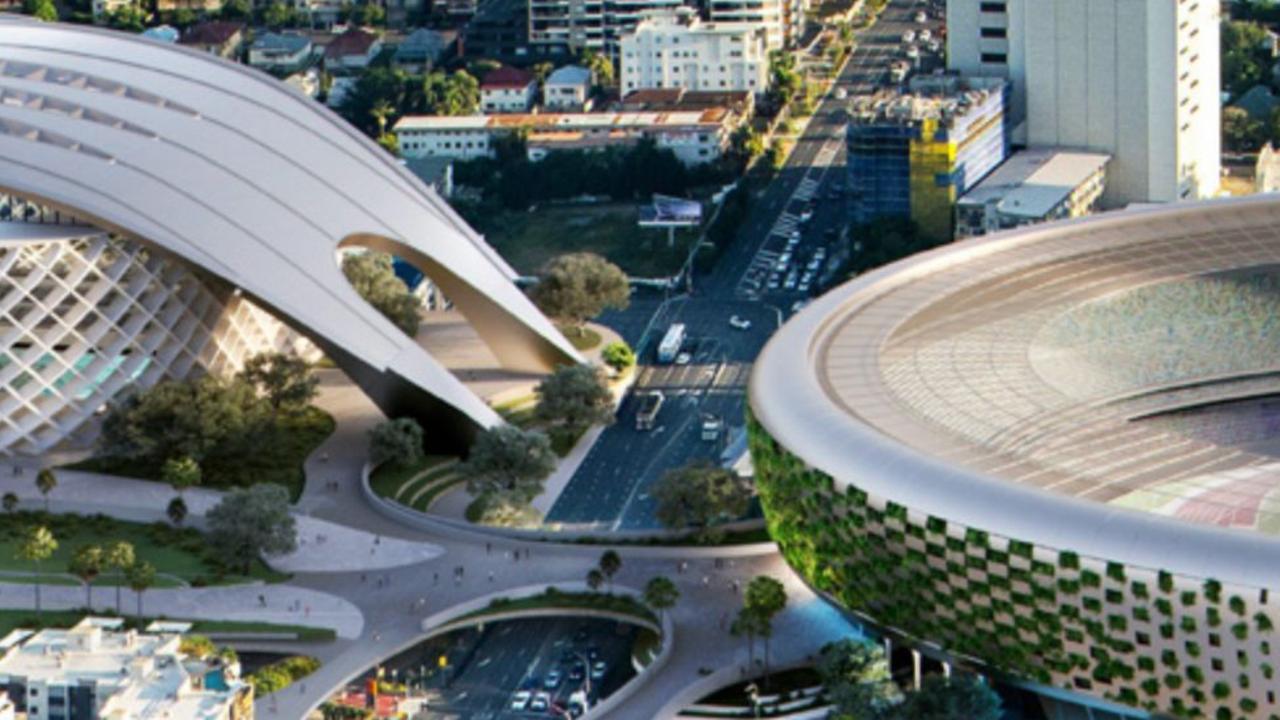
789	249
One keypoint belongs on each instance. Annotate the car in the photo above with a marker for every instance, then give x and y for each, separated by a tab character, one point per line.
598	670
795	234
683	358
773	283
540	703
798	305
813	265
908	37
520	700
792	243
552	681
803	287
790	284
577	673
922	17
739	323
806	278
842	94
784	259
926	35
806	215
913	52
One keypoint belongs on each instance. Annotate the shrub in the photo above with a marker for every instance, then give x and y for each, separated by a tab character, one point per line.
1165	582
1221	690
1188	598
1195	674
1068	560
1236	603
618	355
1212	590
1188	624
1240	630
1262	621
1090	579
1115	571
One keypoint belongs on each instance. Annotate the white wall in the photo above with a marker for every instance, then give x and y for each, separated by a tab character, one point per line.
670	55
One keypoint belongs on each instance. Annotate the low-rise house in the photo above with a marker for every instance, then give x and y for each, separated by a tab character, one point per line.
567	88
695	137
740	102
352	50
424	48
1259	101
101	8
97	670
197	6
218	37
435	172
508	90
1033	186
282	53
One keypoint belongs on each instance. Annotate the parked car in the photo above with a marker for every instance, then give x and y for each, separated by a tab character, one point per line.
598	670
577	673
540	702
908	37
806	215
926	35
739	323
553	678
520	700
684	358
922	17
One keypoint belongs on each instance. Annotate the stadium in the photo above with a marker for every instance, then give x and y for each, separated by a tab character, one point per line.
164	212
1050	453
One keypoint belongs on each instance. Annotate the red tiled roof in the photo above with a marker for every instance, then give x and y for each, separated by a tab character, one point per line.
352	42
214	32
507	77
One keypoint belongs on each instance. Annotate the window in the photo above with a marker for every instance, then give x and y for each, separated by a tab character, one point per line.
995	58
993	7
994	32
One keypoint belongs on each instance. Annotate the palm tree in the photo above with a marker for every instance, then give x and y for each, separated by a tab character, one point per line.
45	483
87	564
595	579
38	546
380	111
660	594
610	564
120	557
141	575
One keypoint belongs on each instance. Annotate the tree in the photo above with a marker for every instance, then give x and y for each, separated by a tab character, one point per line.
1240	132
373	278
574	398
610	564
1244	60
87	564
858	681
252	522
38	545
509	464
601	67
960	697
120	557
595	579
43	10
210	420
661	594
278	15
285	380
10	502
378	86
618	355
701	496
141	576
368	14
398	442
776	155
456	93
541	70
766	598
46	481
182	473
177	510
237	9
750	624
579	286
746	144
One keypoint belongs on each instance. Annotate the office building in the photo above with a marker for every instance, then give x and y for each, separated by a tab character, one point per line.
678	50
1135	79
782	20
569	27
1034	185
913	154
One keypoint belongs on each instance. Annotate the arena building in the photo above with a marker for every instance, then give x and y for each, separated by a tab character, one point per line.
1050	452
162	210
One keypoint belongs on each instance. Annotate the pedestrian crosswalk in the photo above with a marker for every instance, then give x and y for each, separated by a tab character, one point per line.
808	189
786	224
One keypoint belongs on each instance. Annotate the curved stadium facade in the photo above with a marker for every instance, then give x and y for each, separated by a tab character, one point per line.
161	209
1055	452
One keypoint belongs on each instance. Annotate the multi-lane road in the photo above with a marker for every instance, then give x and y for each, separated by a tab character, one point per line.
786	252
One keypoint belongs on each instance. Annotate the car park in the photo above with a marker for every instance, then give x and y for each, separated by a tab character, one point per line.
739	323
520	700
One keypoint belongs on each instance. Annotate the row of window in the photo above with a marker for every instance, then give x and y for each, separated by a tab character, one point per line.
631	85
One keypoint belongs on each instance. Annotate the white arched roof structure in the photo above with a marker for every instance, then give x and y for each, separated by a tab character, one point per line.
246	180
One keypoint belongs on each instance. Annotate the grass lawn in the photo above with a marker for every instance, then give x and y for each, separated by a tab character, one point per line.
14	619
583	338
569	601
277	461
416	486
528	240
181	552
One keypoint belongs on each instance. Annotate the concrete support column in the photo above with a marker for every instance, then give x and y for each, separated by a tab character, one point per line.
915	669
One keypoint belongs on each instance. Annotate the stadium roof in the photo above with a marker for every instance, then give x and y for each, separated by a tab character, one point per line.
999	382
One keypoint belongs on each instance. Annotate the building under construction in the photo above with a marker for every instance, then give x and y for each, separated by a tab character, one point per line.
913	153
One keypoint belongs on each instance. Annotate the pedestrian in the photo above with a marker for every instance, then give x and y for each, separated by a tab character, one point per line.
364	577
490	576
377	539
488	548
705	581
262	601
435	578
307	611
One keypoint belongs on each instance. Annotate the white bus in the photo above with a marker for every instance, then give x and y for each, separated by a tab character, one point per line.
671	343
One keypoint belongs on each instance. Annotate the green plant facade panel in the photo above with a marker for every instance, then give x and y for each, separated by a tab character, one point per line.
1144	637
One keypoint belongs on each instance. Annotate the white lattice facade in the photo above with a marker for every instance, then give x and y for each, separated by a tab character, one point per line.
85	315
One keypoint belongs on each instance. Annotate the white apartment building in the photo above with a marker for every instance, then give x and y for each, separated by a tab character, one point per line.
782	20
678	50
1135	79
567	88
695	136
96	670
572	26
